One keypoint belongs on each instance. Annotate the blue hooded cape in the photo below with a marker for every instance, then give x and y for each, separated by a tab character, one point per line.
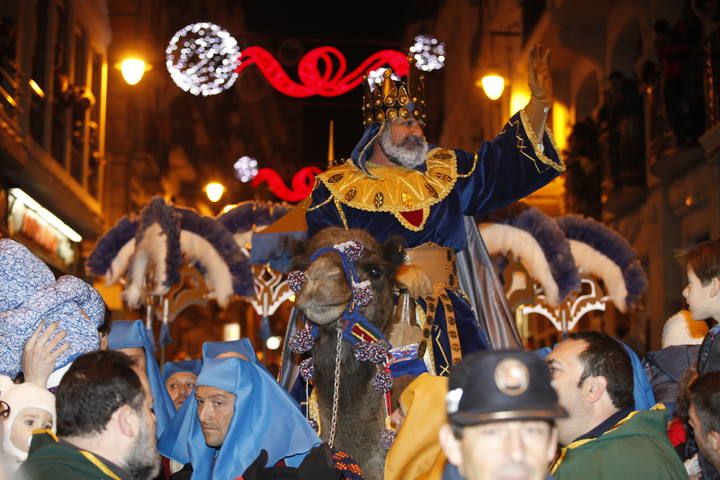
242	346
266	419
132	334
171	368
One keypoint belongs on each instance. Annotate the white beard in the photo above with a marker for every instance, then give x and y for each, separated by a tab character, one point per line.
410	153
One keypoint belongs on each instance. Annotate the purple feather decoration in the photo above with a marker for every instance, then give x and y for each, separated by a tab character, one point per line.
551	239
608	242
247	215
157	211
221	239
110	244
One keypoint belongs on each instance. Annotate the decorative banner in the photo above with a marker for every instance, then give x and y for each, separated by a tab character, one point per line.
321	71
270	290
567	316
302	183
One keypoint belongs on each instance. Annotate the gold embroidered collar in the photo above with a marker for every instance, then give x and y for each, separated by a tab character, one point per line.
394	189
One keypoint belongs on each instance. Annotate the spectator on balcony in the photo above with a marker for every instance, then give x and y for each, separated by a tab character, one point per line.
584	170
621	120
678	49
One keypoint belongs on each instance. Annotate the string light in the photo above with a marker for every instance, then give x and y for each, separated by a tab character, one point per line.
429	53
246	169
202	58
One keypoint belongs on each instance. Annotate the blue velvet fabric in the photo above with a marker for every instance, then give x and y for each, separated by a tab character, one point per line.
368	135
265	418
472	339
132	334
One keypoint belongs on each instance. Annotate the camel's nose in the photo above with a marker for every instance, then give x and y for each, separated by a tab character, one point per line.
321	273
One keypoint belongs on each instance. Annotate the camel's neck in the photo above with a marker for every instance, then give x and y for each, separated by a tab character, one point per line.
355	376
361	411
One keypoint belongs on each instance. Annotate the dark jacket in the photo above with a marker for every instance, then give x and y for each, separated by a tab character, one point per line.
50	458
665	368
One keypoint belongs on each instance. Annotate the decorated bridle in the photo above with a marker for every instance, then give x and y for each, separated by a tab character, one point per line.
368	342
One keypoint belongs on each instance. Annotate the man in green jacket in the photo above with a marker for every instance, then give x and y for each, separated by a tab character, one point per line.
603	437
105	427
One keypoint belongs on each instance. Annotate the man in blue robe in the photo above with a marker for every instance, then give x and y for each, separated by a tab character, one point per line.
398	185
238	411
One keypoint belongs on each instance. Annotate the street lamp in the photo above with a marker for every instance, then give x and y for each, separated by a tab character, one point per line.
214	191
133	70
492	84
273	343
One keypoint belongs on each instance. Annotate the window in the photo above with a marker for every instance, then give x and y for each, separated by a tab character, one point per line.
79	106
62	87
95	159
38	77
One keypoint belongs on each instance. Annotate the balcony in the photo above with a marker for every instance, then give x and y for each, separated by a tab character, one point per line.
9	98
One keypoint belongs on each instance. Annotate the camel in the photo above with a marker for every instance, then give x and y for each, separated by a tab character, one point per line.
323	299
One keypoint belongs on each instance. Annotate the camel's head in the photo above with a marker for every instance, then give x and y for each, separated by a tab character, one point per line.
326	292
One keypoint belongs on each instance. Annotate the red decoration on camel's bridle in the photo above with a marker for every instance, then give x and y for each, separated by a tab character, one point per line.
321	71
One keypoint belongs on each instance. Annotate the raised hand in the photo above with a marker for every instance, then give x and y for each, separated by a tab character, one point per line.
539	78
39	358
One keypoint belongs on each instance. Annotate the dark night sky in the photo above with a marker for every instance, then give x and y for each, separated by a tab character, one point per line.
289	30
357	29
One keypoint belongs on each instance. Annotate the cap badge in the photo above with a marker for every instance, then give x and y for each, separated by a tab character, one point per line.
452	400
512	377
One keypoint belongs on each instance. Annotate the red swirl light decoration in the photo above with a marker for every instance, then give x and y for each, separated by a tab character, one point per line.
317	72
302	183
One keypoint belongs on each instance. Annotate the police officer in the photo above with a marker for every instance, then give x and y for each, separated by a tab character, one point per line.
501	417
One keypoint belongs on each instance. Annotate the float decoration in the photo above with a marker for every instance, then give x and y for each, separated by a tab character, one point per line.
201	59
302	183
541	244
322	71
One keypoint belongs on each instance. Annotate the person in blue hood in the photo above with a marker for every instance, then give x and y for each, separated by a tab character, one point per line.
131	338
180	378
238	411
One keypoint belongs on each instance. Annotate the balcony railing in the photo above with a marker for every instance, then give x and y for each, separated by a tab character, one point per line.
9	92
712	79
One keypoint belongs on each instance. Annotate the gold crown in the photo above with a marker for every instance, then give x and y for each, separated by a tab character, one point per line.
392	99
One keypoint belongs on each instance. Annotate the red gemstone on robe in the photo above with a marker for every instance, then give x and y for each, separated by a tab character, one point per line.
414	217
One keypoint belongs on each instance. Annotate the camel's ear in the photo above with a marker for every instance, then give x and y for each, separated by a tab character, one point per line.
394	250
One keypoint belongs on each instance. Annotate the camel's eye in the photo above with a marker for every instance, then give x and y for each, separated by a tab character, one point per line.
374	271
